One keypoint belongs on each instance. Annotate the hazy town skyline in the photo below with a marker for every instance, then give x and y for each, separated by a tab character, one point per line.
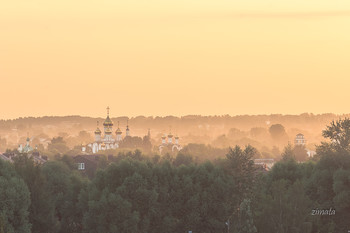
178	58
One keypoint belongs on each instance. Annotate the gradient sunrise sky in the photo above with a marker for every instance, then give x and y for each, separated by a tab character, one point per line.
173	57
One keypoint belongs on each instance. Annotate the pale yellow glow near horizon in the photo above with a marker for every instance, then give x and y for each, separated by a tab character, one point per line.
173	57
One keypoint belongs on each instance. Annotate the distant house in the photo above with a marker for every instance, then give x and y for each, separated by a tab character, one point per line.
311	153
37	157
7	156
266	164
259	169
87	164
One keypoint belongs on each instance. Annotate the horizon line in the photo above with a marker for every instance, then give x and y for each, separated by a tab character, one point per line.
180	116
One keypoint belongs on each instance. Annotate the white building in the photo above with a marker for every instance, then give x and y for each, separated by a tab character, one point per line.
300	140
311	153
105	141
170	143
25	149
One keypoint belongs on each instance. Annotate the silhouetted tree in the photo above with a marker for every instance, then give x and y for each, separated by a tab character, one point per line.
300	153
278	133
14	201
58	146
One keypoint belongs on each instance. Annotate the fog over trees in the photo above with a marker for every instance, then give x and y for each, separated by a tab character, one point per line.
268	133
136	192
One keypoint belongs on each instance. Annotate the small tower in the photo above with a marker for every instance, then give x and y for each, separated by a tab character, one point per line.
127	133
27	148
108	135
28	140
108	124
177	140
300	140
149	133
163	139
97	133
118	132
170	138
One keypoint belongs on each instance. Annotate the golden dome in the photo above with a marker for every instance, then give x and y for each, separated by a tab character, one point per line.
97	131
118	131
108	122
108	131
170	135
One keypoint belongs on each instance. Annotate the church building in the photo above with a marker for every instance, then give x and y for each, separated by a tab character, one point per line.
172	145
26	148
106	140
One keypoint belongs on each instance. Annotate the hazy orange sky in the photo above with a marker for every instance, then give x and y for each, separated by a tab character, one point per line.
173	57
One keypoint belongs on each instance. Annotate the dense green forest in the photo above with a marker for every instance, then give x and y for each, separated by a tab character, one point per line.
177	193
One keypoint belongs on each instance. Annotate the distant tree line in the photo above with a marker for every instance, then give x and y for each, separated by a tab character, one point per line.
219	131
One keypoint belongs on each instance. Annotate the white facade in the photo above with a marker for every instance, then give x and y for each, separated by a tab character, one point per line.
119	137
311	153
